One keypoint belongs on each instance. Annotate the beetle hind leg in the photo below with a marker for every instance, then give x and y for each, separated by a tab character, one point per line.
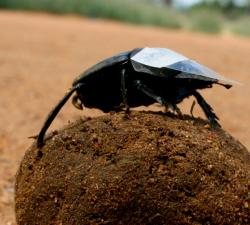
207	109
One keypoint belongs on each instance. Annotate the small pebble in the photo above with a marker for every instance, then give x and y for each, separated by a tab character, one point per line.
207	126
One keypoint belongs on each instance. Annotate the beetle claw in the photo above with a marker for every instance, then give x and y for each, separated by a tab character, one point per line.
178	111
174	108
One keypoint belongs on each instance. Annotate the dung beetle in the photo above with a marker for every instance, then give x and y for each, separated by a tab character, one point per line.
139	77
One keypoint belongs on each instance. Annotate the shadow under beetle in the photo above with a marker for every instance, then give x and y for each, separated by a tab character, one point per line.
142	76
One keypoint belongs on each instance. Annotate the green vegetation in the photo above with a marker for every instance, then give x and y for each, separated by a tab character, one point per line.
141	12
210	18
206	22
241	26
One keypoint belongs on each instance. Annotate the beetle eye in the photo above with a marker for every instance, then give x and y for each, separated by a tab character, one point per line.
76	101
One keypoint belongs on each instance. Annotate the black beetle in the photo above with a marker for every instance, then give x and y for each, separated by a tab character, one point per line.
140	77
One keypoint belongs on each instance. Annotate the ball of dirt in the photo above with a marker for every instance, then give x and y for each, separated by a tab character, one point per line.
148	168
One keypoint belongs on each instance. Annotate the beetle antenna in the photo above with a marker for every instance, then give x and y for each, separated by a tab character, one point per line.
53	113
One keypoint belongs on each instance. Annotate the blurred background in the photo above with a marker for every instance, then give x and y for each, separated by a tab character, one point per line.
45	44
212	16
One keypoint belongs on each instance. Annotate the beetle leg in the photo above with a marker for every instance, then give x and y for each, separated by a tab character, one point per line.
173	107
53	113
124	90
207	109
177	110
147	91
192	108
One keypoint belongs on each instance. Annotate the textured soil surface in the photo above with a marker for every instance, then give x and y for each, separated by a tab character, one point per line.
147	168
41	54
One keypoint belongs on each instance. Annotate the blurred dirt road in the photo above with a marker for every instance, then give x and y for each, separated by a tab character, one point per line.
41	54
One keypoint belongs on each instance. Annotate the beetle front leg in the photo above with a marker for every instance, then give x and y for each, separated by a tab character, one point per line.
53	113
124	90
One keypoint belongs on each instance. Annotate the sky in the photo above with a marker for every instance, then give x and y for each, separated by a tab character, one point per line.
185	3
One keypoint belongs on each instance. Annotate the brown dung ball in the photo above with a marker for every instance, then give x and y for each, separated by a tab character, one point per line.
148	168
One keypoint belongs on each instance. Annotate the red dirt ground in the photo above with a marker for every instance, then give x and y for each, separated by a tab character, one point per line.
41	54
